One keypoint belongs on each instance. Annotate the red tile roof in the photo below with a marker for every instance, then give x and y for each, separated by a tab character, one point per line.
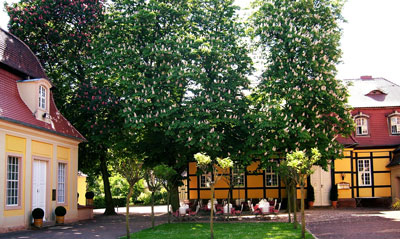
17	60
379	134
17	55
13	109
377	98
373	92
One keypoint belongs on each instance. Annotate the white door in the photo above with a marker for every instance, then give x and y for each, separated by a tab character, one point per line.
39	185
321	181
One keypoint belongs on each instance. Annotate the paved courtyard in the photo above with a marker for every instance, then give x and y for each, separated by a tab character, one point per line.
359	223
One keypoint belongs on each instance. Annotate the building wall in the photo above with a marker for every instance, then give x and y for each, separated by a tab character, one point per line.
30	144
395	179
254	188
346	171
82	189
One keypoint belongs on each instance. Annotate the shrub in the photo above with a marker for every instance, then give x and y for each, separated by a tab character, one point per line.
37	213
310	193
396	204
334	193
89	195
159	198
60	211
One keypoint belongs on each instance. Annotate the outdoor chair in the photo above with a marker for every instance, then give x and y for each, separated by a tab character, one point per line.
254	211
193	215
238	212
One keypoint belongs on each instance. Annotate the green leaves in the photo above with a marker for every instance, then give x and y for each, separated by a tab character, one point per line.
302	163
202	159
308	107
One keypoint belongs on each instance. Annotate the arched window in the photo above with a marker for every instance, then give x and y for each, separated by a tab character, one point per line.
395	124
361	126
42	97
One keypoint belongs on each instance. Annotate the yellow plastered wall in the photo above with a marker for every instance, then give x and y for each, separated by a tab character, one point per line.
382	179
193	194
272	193
82	189
254	180
222	183
255	193
379	164
365	192
17	145
343	164
221	194
63	153
383	192
192	168
238	193
42	149
192	181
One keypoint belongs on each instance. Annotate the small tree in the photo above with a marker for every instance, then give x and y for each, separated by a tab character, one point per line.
206	164
154	184
301	164
232	180
167	177
131	170
288	175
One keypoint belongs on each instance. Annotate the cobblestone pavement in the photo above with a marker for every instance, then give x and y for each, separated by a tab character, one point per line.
358	223
100	227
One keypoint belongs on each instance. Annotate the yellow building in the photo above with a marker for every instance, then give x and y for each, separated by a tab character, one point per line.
367	171
38	146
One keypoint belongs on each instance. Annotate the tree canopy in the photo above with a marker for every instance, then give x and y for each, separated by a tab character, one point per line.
299	41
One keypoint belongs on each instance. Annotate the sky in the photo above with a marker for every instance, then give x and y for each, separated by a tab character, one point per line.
370	42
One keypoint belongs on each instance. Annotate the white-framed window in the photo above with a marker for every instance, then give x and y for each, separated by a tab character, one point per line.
205	180
361	126
61	182
42	97
271	178
13	181
364	172
238	176
395	125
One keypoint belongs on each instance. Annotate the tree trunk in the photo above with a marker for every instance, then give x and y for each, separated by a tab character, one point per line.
110	210
152	210
127	211
229	201
212	212
303	219
174	197
294	206
168	212
289	197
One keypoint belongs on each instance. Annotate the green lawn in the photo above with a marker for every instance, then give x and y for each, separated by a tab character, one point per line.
244	230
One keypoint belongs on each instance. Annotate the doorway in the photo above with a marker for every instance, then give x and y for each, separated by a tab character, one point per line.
39	185
321	181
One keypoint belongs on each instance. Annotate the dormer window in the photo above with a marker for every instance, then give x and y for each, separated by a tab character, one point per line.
394	120
361	124
395	124
42	97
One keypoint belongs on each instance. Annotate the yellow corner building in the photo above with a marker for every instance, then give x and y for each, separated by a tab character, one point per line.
38	146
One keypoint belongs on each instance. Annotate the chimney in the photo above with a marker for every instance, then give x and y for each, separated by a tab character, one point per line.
366	77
